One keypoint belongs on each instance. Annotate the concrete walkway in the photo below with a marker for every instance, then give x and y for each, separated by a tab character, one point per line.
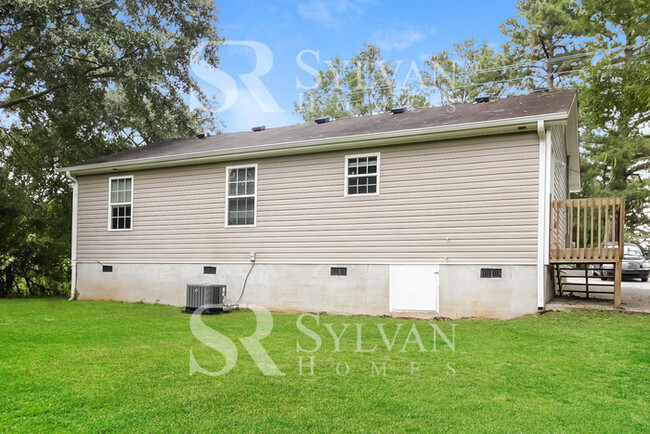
635	297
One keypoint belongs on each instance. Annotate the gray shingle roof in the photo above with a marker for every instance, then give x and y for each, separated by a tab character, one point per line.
535	104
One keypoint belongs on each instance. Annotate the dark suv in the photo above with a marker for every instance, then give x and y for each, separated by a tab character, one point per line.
635	265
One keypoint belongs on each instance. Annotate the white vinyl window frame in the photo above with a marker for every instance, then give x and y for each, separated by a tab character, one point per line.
111	204
229	196
348	176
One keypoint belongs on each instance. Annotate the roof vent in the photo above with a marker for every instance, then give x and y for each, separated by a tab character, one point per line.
260	128
398	110
480	99
200	135
323	120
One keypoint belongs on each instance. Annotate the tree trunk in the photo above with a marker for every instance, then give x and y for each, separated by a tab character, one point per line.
6	281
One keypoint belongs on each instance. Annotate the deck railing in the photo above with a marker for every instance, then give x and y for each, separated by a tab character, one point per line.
587	230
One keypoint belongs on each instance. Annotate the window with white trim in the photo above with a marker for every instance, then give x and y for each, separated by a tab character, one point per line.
362	174
241	192
120	203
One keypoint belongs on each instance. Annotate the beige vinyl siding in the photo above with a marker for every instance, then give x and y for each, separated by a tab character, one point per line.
560	189
471	200
560	181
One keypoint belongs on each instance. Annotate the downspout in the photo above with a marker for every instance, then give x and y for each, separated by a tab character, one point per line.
73	254
542	219
568	174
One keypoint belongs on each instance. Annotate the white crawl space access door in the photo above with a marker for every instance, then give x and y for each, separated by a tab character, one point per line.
413	288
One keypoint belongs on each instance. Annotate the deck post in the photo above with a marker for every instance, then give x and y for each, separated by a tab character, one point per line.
621	250
618	276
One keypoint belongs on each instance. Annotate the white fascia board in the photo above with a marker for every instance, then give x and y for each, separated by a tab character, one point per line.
358	141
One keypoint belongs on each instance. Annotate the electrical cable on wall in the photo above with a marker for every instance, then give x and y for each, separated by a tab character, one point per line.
243	288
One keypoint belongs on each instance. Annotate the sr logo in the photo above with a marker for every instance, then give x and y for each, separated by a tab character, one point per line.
226	347
228	86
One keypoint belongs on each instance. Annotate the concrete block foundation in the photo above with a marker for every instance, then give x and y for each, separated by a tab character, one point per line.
310	288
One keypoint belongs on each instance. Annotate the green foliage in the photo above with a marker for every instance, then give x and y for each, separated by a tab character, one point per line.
470	69
545	48
34	239
363	85
546	39
615	109
82	78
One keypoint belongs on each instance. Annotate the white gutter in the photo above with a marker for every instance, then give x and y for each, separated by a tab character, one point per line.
500	126
73	253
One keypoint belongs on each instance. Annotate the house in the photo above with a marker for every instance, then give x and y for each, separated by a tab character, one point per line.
440	212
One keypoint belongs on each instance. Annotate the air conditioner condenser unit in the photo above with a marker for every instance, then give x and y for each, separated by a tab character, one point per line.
208	297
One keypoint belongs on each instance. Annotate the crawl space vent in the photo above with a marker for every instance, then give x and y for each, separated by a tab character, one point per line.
338	271
491	273
209	270
107	268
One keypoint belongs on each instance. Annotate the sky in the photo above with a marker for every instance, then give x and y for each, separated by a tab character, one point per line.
272	46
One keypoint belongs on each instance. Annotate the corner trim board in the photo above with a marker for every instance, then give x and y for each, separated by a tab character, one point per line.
542	212
73	249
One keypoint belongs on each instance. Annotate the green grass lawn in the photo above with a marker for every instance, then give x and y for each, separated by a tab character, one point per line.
107	366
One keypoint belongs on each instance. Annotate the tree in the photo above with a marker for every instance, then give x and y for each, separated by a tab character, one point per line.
363	85
470	69
34	239
545	48
615	109
81	78
84	78
546	39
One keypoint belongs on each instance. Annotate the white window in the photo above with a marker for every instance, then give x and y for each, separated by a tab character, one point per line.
361	174
241	195
120	203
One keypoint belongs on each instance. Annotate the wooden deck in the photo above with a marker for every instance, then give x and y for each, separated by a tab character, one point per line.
589	231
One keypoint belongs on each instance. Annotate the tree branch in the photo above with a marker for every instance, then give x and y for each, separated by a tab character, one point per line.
7	63
89	8
541	41
22	99
641	166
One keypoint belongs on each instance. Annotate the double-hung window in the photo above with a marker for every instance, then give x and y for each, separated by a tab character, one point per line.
362	174
120	203
241	192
